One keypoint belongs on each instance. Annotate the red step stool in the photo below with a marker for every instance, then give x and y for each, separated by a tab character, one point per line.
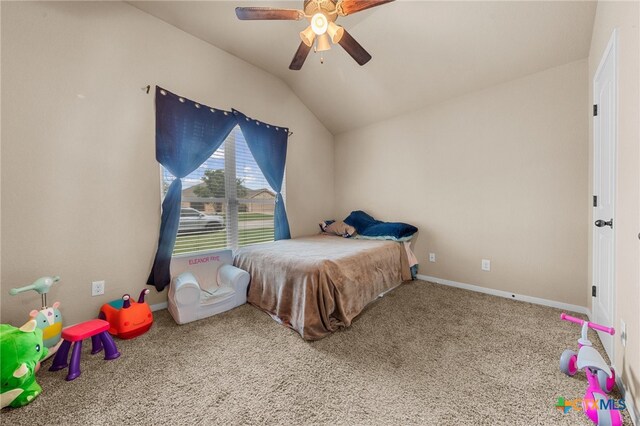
97	329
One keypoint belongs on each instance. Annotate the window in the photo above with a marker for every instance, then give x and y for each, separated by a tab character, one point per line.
226	202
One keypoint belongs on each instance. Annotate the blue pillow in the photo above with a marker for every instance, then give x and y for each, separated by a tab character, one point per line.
391	230
368	227
360	220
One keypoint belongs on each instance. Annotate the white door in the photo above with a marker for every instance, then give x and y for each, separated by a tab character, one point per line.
604	180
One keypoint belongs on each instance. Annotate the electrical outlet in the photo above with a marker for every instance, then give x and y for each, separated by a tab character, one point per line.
432	257
623	333
486	265
97	288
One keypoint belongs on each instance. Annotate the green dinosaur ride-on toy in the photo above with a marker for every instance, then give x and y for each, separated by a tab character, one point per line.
21	350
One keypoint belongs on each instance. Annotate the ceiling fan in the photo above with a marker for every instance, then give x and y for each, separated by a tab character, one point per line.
322	15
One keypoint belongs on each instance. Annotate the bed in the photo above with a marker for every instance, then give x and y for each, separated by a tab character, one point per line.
319	284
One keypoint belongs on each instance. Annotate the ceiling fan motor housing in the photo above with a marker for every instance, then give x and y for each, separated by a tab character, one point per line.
326	7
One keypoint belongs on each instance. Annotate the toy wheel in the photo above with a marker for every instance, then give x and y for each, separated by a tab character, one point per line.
607	383
568	361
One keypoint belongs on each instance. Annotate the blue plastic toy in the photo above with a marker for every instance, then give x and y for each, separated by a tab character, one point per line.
48	318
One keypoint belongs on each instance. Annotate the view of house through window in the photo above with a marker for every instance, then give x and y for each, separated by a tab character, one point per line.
226	202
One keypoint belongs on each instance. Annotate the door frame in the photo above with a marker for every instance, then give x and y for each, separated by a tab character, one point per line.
610	52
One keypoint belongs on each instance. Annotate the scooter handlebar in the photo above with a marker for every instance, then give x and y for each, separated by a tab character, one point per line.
41	286
15	291
593	325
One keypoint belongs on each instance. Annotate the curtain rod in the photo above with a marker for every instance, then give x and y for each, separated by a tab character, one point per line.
148	87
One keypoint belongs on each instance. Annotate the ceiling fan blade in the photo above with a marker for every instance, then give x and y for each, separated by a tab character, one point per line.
300	57
255	13
347	7
354	49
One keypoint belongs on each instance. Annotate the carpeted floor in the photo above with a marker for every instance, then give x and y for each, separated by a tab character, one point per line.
423	354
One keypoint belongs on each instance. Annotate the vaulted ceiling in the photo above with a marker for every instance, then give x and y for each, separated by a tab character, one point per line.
423	52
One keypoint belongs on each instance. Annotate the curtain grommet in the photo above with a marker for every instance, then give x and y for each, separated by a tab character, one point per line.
212	110
181	100
163	92
226	113
197	106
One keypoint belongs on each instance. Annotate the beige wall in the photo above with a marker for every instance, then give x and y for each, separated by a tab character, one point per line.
80	184
626	18
499	174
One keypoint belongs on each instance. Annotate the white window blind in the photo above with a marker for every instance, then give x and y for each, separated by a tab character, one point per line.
226	202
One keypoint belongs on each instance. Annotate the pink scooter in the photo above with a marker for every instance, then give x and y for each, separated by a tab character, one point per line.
600	376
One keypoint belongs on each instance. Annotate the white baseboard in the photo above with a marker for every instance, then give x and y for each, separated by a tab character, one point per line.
628	400
508	295
159	306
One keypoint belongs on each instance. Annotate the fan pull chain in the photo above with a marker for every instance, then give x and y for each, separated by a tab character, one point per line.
315	50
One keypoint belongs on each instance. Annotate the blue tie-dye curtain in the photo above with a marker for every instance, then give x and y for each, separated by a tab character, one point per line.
268	145
187	133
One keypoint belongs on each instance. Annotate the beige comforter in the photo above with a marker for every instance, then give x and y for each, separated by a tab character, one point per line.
316	285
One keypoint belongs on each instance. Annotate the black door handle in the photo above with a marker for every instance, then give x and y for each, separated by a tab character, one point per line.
601	223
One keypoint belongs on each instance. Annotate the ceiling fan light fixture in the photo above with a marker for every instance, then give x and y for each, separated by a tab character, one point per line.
319	23
335	32
323	43
308	36
322	29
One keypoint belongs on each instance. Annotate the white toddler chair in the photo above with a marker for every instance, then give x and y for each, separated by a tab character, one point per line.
205	284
